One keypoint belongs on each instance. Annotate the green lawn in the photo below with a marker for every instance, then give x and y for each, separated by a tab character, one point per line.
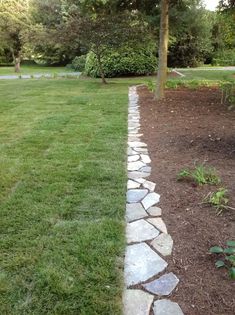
211	75
34	70
62	196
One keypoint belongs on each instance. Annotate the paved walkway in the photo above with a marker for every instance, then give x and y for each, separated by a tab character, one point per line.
39	75
148	242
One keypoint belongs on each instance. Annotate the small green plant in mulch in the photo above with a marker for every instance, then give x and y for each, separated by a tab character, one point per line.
151	86
226	257
219	199
201	175
228	93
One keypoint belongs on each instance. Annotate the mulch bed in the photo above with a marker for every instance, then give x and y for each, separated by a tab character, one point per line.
188	127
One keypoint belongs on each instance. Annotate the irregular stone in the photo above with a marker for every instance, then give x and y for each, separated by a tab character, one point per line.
130	151
140	180
163	244
140	231
137	144
141	150
135	166
155	211
135	211
133	158
135	195
132	185
146	169
137	302
166	307
145	158
159	224
131	138
141	263
133	175
150	200
163	285
149	185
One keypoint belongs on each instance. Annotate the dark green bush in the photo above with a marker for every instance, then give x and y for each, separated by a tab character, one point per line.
78	63
125	61
224	58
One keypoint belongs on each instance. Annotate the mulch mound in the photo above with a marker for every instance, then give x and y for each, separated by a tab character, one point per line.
188	127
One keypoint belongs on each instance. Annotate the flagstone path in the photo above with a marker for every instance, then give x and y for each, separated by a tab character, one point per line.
148	242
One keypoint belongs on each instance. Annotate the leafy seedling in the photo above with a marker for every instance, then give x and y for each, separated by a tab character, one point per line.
201	175
151	86
219	199
227	257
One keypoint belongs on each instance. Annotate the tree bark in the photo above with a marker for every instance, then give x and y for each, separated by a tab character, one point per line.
16	61
101	70
163	48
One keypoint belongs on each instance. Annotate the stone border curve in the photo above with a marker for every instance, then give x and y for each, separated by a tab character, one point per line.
147	284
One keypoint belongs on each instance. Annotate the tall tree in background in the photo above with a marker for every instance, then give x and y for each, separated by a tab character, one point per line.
14	25
163	48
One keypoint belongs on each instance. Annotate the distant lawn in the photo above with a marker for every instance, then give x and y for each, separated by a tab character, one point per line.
214	75
33	70
62	196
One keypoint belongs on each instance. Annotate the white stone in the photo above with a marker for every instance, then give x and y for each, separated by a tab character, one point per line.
149	185
150	200
166	307
133	175
145	150
141	263
159	224
135	211
155	211
135	195
140	180
137	302
133	158
162	286
163	244
145	158
146	169
132	185
140	231
137	144
135	166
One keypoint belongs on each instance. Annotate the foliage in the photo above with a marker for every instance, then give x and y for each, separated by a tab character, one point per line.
219	199
151	86
224	58
227	259
201	175
125	61
79	62
228	93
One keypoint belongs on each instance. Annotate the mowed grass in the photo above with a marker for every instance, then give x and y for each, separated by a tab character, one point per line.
62	196
210	75
33	69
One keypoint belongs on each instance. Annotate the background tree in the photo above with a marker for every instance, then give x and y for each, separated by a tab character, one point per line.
14	25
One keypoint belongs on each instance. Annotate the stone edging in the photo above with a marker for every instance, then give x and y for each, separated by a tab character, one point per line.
147	238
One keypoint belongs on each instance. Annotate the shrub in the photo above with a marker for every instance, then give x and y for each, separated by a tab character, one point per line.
78	63
126	61
224	58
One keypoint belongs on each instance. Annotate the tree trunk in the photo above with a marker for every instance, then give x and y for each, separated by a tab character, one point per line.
163	48
16	61
101	70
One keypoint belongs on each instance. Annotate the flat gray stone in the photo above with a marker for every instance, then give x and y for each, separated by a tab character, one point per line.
150	200
140	231
137	302
133	158
134	166
149	185
163	285
135	195
142	150
141	263
163	244
132	184
146	169
130	151
166	307
135	211
135	174
145	158
155	211
159	224
137	144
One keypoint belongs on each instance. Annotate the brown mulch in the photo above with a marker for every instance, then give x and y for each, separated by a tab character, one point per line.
188	127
